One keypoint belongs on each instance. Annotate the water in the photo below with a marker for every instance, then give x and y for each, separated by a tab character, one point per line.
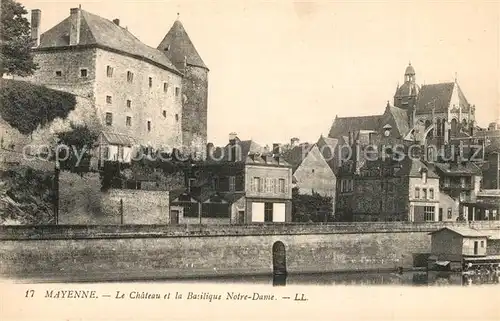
351	278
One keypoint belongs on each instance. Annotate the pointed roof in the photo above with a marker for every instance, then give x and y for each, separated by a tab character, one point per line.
400	117
176	45
98	31
297	154
442	94
343	125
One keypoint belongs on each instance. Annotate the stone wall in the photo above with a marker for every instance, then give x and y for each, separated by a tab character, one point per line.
137	206
154	104
121	252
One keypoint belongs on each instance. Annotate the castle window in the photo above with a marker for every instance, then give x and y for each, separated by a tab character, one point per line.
83	73
165	114
129	121
149	125
424	193
177	91
431	193
150	82
58	73
129	103
109	119
130	76
109	71
109	99
449	214
176	117
165	87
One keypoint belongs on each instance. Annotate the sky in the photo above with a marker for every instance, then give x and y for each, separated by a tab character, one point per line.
282	69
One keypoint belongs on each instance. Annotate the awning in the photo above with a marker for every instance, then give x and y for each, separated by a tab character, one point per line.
118	139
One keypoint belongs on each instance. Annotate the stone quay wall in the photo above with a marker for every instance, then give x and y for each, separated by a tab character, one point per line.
121	252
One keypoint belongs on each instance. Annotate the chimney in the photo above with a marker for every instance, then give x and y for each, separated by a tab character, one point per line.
75	23
294	142
276	149
116	22
232	138
36	16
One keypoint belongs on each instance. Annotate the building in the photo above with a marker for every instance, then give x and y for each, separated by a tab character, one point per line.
456	247
239	184
486	207
459	180
311	172
137	90
442	108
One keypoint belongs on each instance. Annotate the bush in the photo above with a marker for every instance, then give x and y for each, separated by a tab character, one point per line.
25	106
311	208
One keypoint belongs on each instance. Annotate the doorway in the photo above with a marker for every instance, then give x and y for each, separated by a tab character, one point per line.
279	258
174	217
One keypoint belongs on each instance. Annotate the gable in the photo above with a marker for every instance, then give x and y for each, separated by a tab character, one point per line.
314	160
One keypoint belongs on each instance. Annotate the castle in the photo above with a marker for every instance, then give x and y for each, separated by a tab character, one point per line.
154	97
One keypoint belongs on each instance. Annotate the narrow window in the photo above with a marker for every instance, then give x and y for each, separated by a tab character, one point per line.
431	193
109	119
129	121
164	114
176	117
129	103
232	183
165	87
424	193
417	192
177	91
109	71
449	214
149	125
58	73
150	82
482	243
268	212
130	76
106	152
281	183
83	73
256	184
109	100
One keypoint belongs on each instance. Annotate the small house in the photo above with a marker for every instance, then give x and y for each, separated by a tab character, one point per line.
452	247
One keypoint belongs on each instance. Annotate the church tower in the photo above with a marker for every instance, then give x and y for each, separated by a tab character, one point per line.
406	94
178	47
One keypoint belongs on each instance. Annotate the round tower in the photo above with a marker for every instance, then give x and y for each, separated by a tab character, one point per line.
179	48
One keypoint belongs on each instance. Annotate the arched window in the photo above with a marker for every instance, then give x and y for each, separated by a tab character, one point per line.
454	126
427	123
443	127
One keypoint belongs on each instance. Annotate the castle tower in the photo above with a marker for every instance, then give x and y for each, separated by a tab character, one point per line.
406	94
178	47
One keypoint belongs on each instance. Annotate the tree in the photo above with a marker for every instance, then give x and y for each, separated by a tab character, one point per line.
15	40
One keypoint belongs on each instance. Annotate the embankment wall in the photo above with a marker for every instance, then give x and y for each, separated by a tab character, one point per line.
159	251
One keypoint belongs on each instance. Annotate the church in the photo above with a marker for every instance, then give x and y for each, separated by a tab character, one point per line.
424	114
